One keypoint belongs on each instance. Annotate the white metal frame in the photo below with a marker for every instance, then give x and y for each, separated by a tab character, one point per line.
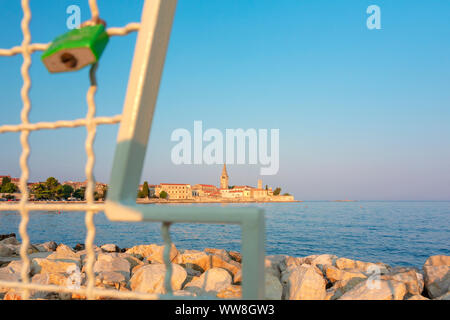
131	146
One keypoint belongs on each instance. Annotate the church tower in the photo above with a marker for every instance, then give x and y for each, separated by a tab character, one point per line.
224	178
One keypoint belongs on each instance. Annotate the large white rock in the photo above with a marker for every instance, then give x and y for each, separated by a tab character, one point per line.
437	275
111	270
376	290
150	278
114	263
304	283
211	282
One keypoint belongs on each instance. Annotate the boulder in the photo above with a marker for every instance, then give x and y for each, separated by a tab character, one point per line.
131	259
82	254
14	267
445	296
236	256
111	270
65	253
111	279
112	263
437	275
231	292
6	250
210	283
39	265
417	297
10	240
150	278
152	252
304	283
10	277
110	247
79	247
5	236
412	279
218	252
342	286
47	246
376	290
324	260
287	262
365	267
141	251
334	274
201	261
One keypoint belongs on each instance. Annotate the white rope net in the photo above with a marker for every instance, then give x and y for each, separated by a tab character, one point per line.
90	207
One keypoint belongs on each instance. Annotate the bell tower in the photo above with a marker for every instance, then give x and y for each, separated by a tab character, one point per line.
224	178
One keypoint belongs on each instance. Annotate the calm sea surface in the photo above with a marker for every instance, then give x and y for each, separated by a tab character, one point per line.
397	233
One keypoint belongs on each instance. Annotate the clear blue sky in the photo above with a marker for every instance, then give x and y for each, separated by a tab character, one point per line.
363	114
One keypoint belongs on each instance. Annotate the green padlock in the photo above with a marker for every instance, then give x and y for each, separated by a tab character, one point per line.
76	49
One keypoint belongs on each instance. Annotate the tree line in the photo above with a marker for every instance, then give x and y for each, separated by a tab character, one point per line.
52	189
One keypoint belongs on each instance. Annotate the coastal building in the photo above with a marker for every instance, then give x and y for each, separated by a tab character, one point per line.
224	178
176	190
231	194
204	190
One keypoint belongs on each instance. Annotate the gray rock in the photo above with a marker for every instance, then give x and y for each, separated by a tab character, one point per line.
437	275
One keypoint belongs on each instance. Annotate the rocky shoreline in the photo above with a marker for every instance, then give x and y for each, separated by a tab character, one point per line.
217	273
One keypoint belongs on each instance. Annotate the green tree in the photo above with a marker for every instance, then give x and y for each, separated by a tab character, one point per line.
163	195
79	193
286	194
140	194
64	191
277	191
267	187
145	189
51	183
5	180
104	192
9	187
40	192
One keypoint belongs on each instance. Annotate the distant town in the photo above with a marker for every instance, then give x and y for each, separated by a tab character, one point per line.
53	190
